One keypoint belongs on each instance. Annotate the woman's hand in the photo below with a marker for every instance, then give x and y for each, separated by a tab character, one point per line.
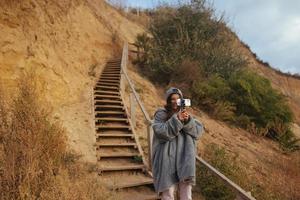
186	116
183	115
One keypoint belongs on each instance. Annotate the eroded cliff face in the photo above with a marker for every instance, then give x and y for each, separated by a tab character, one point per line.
67	43
286	84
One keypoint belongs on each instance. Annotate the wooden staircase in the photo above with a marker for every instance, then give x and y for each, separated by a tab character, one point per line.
121	163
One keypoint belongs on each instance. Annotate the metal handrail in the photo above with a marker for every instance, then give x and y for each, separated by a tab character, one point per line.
240	193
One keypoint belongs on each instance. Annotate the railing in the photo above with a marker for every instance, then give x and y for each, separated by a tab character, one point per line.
134	98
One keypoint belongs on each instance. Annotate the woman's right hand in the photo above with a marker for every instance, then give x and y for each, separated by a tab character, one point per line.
182	115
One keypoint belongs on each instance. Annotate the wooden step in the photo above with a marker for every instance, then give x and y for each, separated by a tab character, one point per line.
109	107
113	63
107	77
107	96
112	119
106	87
111	73
115	135
112	70
109	81
103	76
117	155
129	181
114	127
121	168
112	67
124	184
104	112
110	76
108	101
116	145
107	84
106	70
106	92
114	60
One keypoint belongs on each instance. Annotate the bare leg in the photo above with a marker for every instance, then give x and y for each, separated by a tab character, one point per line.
185	190
168	194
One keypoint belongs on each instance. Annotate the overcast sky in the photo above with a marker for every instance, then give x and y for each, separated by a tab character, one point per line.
270	27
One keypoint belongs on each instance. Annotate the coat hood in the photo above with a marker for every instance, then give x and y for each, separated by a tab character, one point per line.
173	90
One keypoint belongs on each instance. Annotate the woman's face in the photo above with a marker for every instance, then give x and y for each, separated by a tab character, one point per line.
174	98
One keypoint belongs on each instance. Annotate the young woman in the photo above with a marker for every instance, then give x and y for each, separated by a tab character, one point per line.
174	148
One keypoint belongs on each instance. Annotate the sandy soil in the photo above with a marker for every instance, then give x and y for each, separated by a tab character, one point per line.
67	42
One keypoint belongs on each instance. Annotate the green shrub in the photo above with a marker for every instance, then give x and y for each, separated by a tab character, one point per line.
211	95
188	32
254	97
210	186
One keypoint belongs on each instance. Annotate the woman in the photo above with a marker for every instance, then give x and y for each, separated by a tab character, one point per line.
174	148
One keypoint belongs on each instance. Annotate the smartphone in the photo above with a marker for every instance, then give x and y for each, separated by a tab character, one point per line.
184	102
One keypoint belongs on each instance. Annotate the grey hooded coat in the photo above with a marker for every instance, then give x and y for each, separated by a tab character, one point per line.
174	150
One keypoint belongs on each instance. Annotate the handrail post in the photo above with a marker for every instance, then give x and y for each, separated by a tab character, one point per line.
123	68
132	109
149	138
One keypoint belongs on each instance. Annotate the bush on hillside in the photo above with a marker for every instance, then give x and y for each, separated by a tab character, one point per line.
188	32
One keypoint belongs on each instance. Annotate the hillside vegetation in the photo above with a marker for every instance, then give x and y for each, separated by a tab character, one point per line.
192	49
35	161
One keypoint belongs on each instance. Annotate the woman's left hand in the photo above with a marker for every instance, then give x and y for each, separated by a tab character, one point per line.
186	115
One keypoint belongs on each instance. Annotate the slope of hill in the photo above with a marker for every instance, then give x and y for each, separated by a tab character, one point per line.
67	43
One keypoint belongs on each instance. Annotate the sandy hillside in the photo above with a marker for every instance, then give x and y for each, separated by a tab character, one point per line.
67	42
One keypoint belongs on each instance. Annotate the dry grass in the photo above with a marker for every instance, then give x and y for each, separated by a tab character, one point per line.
34	160
281	182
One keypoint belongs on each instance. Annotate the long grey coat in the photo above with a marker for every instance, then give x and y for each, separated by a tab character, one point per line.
174	150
